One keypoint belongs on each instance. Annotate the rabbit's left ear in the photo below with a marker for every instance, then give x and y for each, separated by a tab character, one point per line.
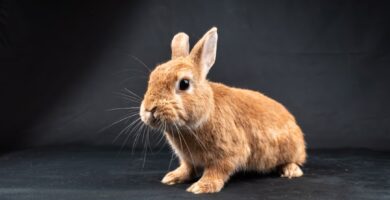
205	51
180	45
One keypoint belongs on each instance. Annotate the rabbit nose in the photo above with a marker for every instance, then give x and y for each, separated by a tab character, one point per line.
153	112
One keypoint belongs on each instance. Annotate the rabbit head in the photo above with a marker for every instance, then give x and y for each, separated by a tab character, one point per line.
178	92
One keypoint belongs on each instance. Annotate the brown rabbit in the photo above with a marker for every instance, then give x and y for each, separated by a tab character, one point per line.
214	127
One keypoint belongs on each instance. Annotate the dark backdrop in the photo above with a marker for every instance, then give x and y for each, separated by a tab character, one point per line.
62	62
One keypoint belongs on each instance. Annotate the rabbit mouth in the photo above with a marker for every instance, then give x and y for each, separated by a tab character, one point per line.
164	119
157	116
158	119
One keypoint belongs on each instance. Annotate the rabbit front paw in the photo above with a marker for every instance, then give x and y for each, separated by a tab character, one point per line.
175	176
206	186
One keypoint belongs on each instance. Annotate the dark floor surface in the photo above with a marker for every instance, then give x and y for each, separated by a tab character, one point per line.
106	173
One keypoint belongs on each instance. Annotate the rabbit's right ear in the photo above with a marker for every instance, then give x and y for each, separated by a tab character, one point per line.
180	45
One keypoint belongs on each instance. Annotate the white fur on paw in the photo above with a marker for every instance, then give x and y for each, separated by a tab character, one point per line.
201	187
171	178
291	170
176	176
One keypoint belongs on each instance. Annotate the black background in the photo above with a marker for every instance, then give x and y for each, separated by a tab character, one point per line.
62	61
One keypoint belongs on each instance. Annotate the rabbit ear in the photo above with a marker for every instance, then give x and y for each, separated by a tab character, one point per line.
205	51
180	45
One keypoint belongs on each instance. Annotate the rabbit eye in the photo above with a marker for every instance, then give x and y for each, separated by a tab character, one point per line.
184	84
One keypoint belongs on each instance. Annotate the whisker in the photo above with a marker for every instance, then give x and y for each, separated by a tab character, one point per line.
199	141
128	132
131	100
149	132
172	151
170	161
148	139
181	145
180	134
142	63
145	147
127	70
130	78
129	95
137	131
126	96
131	92
162	129
116	122
160	140
125	129
124	108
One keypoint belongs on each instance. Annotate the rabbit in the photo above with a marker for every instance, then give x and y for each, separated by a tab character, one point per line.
218	129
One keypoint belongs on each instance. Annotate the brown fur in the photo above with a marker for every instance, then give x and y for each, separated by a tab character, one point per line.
215	127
